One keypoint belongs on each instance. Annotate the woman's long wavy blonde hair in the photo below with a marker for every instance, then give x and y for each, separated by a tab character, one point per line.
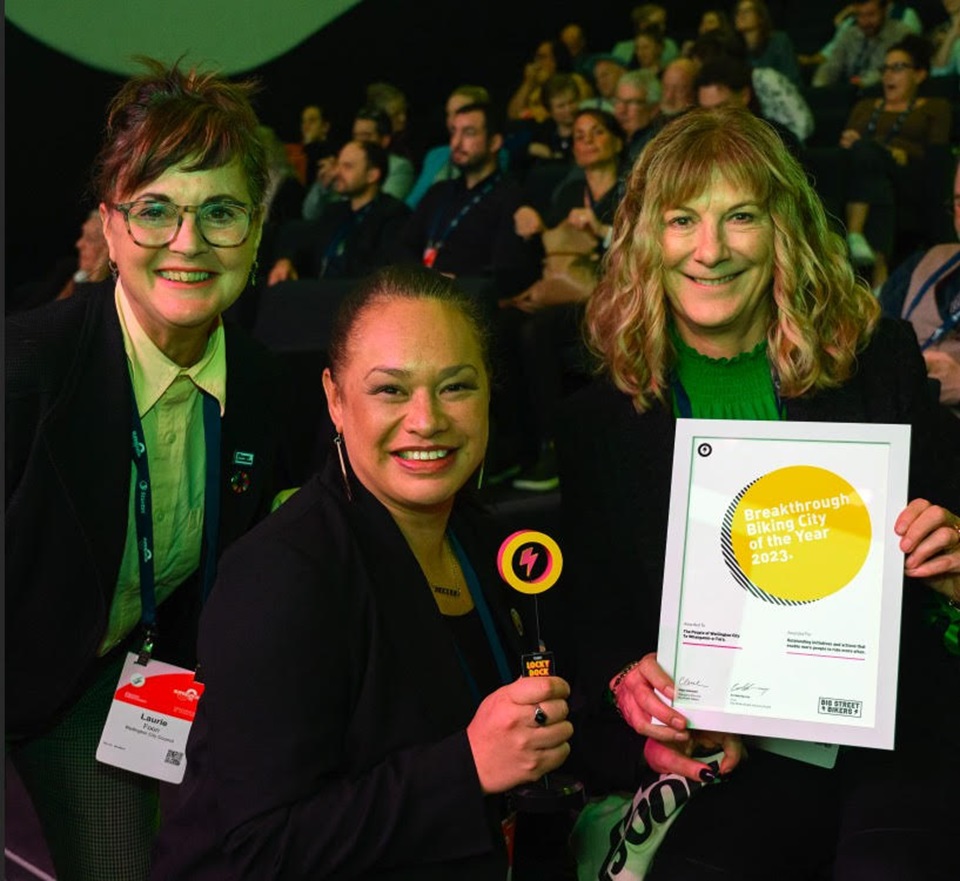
821	315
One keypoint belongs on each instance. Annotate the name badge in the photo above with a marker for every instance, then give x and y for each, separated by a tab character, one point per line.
149	720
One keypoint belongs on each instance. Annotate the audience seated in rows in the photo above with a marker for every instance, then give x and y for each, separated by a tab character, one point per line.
550	57
883	147
858	51
779	99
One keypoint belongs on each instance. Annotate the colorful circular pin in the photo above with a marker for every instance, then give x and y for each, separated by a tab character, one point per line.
239	481
540	554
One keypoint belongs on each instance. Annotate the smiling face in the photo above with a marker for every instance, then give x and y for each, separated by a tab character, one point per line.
179	290
411	400
718	254
900	78
593	143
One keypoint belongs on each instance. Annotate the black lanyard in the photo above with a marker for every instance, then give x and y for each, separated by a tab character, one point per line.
436	237
143	514
897	123
953	319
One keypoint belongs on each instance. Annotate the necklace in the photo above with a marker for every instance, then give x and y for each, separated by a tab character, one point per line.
452	595
445	591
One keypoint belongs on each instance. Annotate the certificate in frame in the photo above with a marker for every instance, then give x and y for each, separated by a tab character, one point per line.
783	578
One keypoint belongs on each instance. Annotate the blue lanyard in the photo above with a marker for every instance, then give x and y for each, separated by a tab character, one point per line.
338	241
435	239
143	514
953	319
486	618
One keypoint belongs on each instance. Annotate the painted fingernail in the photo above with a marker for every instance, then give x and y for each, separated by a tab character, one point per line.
707	776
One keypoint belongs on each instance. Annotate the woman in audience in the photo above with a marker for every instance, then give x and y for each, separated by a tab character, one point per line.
886	139
552	56
360	717
181	178
574	235
765	46
727	295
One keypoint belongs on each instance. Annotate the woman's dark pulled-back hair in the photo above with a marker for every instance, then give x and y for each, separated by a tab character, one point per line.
166	117
402	282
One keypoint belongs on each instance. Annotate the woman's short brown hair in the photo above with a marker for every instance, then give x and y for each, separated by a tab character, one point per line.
820	313
166	117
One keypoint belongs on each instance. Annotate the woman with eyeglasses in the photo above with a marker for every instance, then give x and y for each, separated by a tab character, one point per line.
888	138
141	436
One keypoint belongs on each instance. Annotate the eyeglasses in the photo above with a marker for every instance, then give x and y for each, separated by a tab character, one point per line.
896	67
153	224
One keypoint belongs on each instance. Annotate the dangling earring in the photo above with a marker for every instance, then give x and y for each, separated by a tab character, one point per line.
483	465
338	441
114	271
253	273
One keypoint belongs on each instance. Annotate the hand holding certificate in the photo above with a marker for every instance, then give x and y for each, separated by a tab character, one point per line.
781	601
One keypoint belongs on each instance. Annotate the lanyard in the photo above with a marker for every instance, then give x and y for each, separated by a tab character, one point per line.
436	239
897	123
486	618
143	515
953	319
337	245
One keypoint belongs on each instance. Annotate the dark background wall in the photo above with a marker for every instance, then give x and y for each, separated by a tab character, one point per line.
55	105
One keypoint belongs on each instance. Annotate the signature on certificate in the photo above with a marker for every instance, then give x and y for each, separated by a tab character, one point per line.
749	689
690	682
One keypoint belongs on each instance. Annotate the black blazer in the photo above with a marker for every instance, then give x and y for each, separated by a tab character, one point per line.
616	469
330	742
68	399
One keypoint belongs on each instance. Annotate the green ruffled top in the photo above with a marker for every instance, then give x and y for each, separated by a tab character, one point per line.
726	388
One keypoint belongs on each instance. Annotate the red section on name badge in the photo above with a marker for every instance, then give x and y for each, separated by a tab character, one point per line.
171	694
429	257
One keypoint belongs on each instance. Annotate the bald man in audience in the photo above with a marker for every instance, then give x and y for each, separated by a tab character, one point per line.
678	90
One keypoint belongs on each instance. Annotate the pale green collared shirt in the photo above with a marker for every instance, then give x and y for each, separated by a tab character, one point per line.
170	404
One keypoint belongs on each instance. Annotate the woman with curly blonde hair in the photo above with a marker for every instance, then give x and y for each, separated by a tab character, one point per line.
819	313
726	295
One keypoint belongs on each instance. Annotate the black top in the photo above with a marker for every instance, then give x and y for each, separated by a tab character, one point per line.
344	243
330	741
484	242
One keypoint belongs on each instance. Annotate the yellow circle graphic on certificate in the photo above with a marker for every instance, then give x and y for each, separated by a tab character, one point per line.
796	535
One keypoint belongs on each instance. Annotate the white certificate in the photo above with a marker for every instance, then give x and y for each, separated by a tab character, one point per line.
783	578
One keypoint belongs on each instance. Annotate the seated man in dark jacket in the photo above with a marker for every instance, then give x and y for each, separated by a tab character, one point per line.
464	227
351	237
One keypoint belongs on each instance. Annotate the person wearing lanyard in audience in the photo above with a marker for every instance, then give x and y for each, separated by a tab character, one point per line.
464	227
141	438
362	715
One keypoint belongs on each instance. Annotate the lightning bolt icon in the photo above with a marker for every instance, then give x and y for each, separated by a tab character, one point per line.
528	558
